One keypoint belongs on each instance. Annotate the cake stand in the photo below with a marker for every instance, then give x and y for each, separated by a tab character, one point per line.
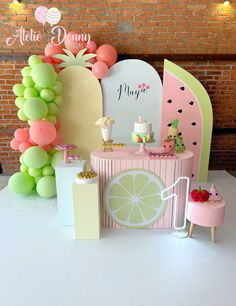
142	147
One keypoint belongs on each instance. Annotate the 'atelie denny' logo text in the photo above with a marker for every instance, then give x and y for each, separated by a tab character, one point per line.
125	90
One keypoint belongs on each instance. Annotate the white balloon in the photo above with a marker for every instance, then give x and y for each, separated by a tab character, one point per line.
53	16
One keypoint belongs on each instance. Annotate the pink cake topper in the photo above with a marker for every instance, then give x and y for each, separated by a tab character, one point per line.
141	119
66	148
213	194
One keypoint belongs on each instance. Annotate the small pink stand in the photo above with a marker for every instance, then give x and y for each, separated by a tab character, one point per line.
209	214
142	150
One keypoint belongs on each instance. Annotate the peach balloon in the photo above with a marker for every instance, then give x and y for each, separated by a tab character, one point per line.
57	140
14	144
47	147
107	54
51	50
99	70
21	135
58	123
72	44
24	146
42	132
92	47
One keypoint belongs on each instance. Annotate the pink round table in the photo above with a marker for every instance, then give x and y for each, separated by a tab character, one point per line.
108	164
209	214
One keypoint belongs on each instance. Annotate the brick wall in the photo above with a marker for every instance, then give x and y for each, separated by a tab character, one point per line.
134	27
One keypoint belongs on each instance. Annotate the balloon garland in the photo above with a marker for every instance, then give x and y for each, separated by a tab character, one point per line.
38	102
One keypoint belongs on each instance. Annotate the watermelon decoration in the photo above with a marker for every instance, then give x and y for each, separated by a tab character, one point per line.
185	99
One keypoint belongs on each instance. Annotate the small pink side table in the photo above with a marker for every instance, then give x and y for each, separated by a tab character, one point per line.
209	214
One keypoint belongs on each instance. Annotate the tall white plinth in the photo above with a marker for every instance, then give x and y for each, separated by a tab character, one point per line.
65	176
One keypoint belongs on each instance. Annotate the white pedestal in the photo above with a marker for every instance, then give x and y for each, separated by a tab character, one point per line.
65	176
86	211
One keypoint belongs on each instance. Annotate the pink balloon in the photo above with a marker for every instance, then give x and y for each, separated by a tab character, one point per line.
57	140
31	141
99	70
24	146
58	123
14	144
47	147
47	59
92	60
107	54
92	47
42	132
21	135
51	50
40	14
71	42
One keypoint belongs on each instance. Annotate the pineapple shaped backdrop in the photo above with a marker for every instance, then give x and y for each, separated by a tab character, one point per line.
185	98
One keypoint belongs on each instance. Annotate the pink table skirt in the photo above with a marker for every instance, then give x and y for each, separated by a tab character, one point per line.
108	164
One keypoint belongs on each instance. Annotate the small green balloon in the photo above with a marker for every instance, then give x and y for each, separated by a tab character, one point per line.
47	94
52	151
35	108
34	172
48	170
49	160
19	101
21	115
46	187
34	60
27	81
57	157
52	119
19	89
57	88
24	168
21	183
58	100
22	159
35	157
37	178
30	93
26	71
44	75
52	108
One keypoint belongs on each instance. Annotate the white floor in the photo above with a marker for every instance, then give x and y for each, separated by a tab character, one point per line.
41	264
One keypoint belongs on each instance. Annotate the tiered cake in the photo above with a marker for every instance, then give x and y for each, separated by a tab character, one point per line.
142	131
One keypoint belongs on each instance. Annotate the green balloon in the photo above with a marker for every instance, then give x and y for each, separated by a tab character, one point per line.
48	170
37	178
58	100
22	159
19	89
52	119
26	71
46	187
52	108
19	101
52	151
24	168
57	157
38	88
57	88
35	157
49	160
21	115
44	75
30	93
34	60
47	94
21	183
28	81
35	108
34	172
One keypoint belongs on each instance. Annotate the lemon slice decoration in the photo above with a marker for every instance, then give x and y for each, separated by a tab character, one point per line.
133	198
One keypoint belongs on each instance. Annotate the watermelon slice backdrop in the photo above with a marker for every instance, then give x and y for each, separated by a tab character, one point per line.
185	98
